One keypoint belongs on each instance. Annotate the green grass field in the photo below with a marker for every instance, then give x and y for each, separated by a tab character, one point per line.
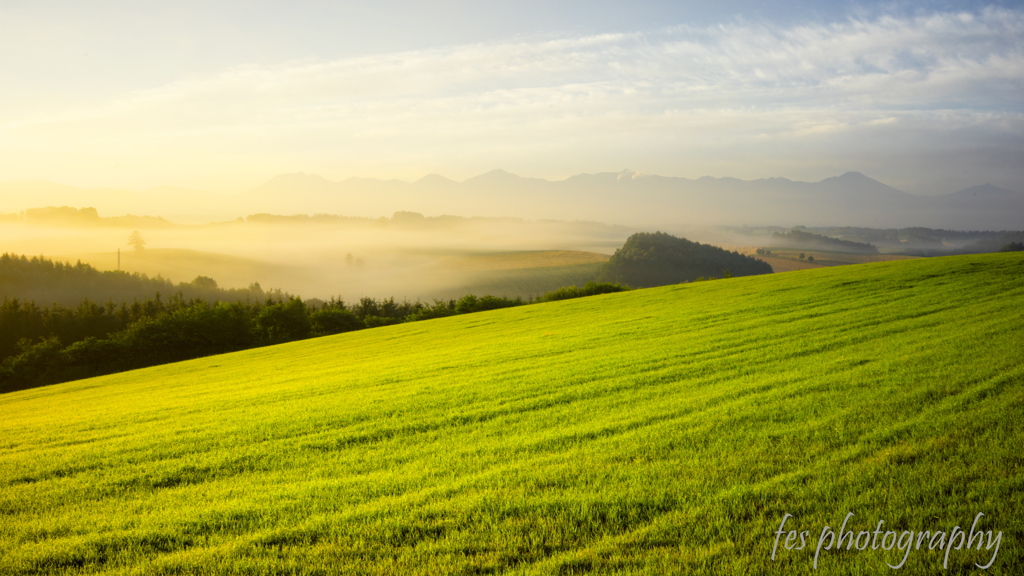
833	258
525	282
523	274
659	431
788	259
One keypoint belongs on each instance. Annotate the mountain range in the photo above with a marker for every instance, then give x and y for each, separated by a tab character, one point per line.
626	197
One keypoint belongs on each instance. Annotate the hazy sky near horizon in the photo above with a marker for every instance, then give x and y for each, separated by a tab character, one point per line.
925	96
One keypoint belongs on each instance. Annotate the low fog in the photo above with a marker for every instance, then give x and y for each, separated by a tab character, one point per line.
406	256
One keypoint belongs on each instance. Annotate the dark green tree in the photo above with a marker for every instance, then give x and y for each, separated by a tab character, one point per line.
284	321
328	321
657	259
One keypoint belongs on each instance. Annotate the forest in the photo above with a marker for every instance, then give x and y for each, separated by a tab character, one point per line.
649	259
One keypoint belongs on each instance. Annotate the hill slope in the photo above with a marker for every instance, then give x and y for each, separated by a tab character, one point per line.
657	431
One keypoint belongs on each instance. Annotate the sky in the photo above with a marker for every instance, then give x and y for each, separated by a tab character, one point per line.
221	96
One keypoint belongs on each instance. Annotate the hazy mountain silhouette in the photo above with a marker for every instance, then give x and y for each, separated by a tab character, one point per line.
173	203
627	197
434	180
624	197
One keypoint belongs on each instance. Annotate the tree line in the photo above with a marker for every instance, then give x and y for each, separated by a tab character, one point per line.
808	240
82	217
49	344
45	281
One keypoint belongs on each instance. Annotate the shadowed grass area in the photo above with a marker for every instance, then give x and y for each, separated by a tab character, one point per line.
656	431
525	274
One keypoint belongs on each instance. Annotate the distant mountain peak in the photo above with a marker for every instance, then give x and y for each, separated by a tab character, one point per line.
857	179
497	172
434	179
497	175
628	174
854	175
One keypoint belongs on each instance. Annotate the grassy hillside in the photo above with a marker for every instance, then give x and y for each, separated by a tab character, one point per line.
523	274
832	258
526	282
660	431
788	259
184	265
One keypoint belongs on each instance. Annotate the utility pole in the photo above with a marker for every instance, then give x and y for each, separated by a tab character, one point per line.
118	259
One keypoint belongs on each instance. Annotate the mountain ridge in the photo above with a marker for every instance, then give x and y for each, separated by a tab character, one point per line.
623	197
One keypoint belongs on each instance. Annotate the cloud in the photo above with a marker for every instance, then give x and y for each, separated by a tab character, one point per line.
737	90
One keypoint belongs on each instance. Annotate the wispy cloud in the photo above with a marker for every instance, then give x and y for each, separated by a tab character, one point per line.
738	96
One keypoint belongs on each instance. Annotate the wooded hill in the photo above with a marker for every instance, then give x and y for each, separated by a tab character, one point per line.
657	259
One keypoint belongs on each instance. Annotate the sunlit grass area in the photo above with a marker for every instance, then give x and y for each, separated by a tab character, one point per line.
656	431
833	258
